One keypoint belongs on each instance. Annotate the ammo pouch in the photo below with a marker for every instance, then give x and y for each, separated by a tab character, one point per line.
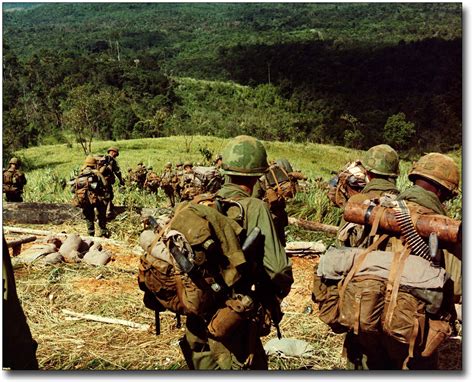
326	294
362	305
227	319
438	331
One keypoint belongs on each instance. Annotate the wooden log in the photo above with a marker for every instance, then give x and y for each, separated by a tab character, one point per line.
15	245
107	320
46	213
448	230
27	239
314	226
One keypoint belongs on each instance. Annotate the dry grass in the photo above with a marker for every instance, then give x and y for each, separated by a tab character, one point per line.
112	291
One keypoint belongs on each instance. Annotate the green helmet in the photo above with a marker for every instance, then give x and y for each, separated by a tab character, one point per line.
438	167
113	148
382	160
188	163
90	161
244	156
14	161
168	165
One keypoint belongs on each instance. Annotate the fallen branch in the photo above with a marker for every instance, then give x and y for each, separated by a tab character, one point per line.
92	317
314	226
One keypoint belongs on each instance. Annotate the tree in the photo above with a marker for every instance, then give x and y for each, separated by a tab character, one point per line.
398	132
87	112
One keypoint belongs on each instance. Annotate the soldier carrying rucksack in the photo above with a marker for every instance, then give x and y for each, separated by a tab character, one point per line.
219	262
394	293
137	177
90	194
14	181
110	169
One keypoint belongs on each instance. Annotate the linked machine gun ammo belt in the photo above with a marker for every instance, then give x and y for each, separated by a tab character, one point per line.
397	219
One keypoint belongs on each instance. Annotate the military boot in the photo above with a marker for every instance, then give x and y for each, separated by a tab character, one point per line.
90	228
104	232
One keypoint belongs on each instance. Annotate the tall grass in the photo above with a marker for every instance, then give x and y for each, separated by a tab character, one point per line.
48	168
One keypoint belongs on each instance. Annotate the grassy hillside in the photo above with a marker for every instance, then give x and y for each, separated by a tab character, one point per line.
327	73
47	167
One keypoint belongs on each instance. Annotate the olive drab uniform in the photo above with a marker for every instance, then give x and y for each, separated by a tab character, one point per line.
267	270
168	183
19	347
110	169
14	181
90	189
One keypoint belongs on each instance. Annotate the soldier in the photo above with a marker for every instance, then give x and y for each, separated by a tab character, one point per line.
13	181
435	179
168	182
218	161
110	169
275	187
190	185
90	189
19	347
380	166
138	176
152	181
179	178
244	160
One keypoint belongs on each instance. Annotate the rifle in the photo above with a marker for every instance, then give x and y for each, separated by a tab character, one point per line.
264	290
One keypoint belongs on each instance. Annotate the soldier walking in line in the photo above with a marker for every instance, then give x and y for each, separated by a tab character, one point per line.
267	268
14	181
110	169
90	193
168	182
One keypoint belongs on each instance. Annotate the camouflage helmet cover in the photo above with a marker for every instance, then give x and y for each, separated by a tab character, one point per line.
90	161
113	148
168	165
382	160
14	161
180	163
218	156
244	156
188	164
438	167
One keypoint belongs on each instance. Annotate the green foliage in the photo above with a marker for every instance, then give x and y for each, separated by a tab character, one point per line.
398	132
369	61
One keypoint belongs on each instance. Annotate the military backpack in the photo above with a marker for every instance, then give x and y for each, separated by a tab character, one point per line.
192	263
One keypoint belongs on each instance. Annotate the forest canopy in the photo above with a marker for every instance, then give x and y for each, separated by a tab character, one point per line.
354	74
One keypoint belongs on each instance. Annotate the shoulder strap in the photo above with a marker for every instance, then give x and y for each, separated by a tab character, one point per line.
357	263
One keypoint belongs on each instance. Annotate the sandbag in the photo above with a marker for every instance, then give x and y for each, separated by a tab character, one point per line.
72	243
35	252
53	258
72	257
97	257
